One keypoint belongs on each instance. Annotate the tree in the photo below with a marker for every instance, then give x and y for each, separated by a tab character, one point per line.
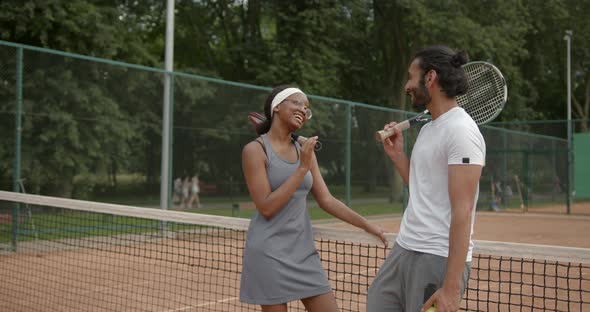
67	107
580	61
356	50
401	27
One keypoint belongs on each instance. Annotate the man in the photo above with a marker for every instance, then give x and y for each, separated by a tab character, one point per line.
434	244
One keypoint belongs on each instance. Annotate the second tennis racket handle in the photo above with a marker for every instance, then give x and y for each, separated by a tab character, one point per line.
382	134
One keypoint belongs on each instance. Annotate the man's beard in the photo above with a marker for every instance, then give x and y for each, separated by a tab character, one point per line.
421	96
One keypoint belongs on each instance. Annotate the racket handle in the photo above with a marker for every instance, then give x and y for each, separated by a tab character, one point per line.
300	139
384	134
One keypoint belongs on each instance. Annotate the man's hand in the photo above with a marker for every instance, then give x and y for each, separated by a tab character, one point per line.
445	300
393	145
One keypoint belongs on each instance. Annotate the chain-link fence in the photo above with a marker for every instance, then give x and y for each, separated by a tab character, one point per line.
91	129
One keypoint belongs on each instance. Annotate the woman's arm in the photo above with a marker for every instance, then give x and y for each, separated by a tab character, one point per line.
337	208
268	202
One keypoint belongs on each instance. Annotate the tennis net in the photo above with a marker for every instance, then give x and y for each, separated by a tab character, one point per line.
70	255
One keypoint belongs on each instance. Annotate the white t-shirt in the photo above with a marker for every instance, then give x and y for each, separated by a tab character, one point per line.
451	139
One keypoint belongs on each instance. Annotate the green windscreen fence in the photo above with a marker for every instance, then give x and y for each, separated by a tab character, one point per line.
581	167
92	129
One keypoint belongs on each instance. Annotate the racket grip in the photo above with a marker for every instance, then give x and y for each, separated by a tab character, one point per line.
384	134
318	146
301	139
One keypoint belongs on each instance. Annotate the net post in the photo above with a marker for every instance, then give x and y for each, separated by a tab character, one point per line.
527	184
17	148
568	39
165	185
505	178
348	151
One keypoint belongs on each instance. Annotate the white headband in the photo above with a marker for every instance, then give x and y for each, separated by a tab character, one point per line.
281	96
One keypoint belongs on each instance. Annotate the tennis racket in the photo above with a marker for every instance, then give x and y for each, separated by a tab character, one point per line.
258	118
523	207
485	98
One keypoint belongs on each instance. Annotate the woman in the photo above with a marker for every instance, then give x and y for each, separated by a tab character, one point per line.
281	263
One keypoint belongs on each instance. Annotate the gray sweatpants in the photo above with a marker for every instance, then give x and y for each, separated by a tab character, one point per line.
403	277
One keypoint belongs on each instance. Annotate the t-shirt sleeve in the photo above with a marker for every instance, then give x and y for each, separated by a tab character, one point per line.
466	147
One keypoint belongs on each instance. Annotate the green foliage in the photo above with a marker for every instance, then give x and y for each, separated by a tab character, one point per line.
580	60
73	124
86	119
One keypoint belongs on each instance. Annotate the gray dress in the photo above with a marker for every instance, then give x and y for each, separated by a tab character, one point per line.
281	263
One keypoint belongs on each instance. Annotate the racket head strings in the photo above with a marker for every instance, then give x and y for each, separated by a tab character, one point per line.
487	92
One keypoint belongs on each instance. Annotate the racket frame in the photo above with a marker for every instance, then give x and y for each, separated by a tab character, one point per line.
420	118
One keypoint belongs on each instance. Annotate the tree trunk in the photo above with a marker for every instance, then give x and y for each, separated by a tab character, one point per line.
113	173
582	110
252	22
391	37
63	187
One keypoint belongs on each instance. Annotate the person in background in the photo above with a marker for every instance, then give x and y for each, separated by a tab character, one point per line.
186	187
195	190
177	195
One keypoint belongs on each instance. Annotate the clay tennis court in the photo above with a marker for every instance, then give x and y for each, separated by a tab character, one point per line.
542	226
200	271
197	271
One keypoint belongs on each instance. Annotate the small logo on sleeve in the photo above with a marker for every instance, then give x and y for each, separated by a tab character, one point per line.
465	160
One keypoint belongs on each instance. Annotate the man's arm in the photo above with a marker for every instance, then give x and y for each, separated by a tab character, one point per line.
463	185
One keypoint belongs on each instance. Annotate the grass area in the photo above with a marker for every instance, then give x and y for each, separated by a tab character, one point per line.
57	224
514	204
54	225
315	213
